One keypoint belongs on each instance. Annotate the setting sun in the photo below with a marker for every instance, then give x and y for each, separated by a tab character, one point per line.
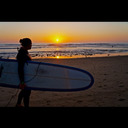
57	40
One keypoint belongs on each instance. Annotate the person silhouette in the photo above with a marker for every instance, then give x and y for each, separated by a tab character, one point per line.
22	57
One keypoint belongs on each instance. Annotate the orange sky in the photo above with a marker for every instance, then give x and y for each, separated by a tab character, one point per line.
64	31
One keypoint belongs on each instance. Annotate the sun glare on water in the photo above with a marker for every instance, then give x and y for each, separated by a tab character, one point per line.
57	57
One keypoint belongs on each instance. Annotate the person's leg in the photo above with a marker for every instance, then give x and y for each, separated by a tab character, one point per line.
20	97
26	97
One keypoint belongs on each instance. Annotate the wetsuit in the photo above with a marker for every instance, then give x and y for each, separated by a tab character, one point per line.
22	57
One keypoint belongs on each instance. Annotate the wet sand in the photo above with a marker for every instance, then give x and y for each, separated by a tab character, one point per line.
110	88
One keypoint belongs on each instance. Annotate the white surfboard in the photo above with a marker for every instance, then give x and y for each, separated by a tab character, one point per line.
45	76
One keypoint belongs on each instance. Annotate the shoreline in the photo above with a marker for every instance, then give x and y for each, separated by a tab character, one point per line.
68	58
85	56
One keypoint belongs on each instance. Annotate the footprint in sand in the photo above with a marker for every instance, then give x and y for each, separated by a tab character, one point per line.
121	99
120	86
79	101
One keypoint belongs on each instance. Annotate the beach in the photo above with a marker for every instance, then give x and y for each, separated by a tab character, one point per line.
110	88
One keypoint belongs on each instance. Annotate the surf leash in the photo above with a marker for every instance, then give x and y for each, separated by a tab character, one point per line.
35	74
12	98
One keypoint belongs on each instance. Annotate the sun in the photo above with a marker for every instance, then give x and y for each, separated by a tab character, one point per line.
57	40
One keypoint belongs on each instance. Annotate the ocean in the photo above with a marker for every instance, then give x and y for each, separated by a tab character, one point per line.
66	50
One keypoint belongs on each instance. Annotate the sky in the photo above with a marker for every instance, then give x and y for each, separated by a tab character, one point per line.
64	32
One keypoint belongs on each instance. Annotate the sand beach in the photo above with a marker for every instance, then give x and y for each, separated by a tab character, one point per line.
110	88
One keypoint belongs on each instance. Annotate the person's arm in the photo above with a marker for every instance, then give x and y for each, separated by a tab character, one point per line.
21	71
22	84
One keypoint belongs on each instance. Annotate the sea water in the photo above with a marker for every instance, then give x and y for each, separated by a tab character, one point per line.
66	50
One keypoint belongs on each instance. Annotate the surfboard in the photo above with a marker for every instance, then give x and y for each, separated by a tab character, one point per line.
45	76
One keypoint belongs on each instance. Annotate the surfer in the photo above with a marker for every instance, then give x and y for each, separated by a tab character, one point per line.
22	57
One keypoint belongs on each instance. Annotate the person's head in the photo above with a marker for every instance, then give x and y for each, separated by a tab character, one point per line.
26	43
